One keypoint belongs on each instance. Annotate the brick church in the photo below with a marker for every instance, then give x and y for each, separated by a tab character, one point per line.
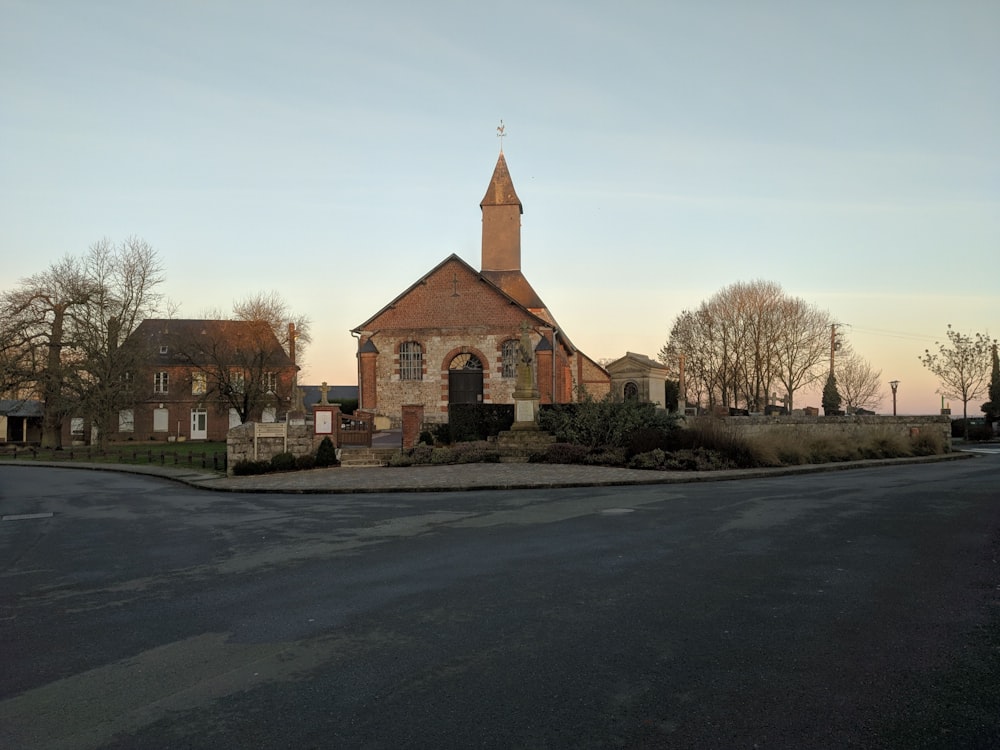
453	336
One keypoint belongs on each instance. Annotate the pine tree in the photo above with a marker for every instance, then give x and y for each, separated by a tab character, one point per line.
992	407
831	396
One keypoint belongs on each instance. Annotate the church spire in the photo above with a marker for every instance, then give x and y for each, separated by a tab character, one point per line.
502	211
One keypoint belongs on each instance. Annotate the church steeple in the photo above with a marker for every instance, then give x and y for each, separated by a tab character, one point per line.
502	211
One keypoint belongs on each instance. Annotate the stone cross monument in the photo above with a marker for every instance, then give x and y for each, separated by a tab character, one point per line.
526	392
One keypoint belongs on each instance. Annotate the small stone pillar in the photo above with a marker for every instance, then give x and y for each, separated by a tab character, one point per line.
326	418
413	421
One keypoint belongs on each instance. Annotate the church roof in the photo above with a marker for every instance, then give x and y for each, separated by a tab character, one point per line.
541	314
515	285
501	189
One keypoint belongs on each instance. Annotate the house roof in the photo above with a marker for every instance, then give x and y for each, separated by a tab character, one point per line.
181	341
21	407
631	360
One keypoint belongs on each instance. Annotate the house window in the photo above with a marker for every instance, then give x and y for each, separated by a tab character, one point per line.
511	348
127	382
411	361
199	384
76	427
126	420
270	382
161	420
160	382
164	350
237	381
631	391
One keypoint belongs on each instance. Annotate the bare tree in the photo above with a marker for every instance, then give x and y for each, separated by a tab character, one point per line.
859	384
43	312
962	369
800	347
125	278
744	340
64	328
270	308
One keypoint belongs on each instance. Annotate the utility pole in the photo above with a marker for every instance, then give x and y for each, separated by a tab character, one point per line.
894	384
833	344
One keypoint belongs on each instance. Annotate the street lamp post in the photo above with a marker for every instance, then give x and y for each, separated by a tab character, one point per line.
894	384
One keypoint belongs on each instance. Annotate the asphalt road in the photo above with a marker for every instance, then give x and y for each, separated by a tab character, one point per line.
845	609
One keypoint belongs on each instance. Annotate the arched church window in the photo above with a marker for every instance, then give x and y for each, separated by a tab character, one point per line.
509	354
411	361
466	362
631	391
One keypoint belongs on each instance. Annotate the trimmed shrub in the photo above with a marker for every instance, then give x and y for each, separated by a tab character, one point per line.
604	423
441	435
654	459
326	454
479	451
470	422
250	467
400	459
305	462
426	438
283	462
561	453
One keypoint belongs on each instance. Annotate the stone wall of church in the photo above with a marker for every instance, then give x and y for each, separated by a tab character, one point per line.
438	352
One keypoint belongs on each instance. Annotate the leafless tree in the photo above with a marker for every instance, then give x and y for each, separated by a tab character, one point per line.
962	369
44	310
859	384
125	278
801	346
271	308
744	340
64	328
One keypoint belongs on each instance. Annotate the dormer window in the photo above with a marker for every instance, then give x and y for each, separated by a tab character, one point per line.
164	349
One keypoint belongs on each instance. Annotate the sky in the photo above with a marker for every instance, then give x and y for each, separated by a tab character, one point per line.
336	152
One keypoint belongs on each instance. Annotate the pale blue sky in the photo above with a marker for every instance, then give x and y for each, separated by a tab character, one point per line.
335	152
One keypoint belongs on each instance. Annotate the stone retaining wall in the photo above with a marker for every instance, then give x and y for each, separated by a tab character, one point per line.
240	444
853	427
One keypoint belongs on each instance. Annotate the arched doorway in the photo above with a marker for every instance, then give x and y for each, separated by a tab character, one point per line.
465	380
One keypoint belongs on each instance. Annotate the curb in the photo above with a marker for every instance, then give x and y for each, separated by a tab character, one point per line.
210	481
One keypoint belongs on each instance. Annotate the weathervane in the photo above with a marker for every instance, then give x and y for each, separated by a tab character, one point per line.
501	135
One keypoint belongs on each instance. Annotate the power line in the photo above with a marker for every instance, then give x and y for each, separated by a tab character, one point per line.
894	334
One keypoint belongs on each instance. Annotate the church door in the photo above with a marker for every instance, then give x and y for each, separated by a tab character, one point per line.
465	380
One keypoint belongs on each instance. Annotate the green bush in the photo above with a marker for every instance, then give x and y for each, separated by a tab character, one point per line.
326	454
479	451
250	467
471	422
400	459
441	434
561	453
283	462
426	438
305	462
605	423
654	459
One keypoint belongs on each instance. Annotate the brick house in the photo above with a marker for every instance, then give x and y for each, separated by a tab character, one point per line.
199	378
452	337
